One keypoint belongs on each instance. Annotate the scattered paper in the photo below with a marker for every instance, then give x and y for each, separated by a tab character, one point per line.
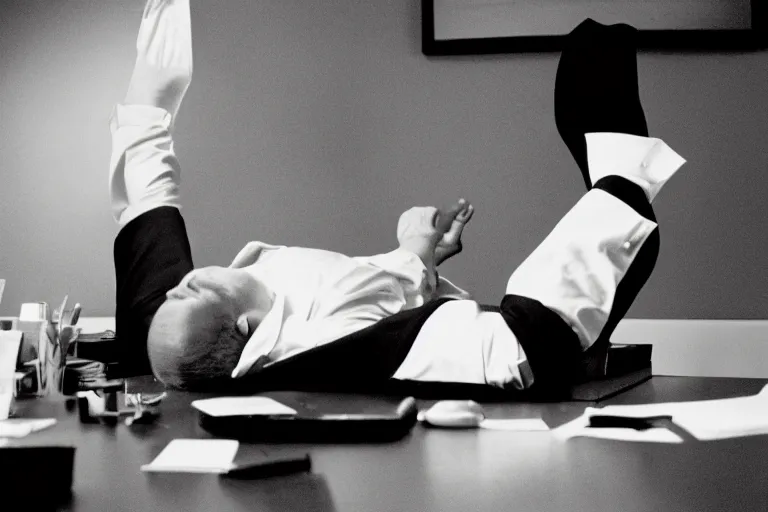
706	420
195	456
24	427
242	406
518	424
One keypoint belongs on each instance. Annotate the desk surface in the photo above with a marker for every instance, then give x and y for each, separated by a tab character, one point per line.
434	470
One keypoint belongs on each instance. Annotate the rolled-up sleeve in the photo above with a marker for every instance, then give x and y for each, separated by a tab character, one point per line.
420	285
144	171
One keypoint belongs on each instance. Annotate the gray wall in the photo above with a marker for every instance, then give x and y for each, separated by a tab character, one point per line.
317	123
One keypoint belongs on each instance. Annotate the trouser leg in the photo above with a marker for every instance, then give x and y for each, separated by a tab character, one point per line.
640	271
559	299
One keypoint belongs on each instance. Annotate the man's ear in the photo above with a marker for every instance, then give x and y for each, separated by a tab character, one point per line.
242	325
249	321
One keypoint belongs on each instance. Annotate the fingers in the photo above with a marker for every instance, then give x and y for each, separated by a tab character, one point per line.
466	213
445	218
464	210
460	212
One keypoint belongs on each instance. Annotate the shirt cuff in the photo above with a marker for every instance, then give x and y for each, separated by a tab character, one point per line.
646	161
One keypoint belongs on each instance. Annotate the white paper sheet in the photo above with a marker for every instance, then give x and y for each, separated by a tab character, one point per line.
195	456
24	427
517	424
242	406
705	419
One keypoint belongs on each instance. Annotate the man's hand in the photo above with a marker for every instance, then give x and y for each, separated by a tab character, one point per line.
417	232
452	225
433	234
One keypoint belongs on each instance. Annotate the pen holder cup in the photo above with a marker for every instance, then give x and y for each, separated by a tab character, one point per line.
44	348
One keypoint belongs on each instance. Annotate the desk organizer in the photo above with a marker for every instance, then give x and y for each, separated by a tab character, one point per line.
40	364
37	357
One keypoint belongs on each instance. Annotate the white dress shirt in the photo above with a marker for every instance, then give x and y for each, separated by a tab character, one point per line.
321	296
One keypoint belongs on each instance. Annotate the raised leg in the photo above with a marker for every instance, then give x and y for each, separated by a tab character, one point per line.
571	292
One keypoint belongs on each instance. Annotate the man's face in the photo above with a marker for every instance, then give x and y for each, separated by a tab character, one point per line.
231	292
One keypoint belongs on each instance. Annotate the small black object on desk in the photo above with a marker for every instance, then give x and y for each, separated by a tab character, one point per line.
641	423
321	417
38	476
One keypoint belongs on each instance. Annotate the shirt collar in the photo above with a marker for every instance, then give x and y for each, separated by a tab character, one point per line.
263	339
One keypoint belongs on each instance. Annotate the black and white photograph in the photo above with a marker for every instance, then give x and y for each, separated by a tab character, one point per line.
383	255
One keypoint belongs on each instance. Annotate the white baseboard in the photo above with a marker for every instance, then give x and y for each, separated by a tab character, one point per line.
96	323
701	348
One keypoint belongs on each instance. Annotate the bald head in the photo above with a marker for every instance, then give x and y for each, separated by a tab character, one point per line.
193	345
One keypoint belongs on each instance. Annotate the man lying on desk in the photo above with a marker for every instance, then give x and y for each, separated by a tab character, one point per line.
390	315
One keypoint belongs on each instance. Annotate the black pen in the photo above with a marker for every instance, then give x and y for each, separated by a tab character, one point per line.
642	423
639	423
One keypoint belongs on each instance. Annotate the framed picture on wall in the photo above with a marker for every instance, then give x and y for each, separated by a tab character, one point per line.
465	27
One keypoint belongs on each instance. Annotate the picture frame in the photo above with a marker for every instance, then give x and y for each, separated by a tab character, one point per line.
475	27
